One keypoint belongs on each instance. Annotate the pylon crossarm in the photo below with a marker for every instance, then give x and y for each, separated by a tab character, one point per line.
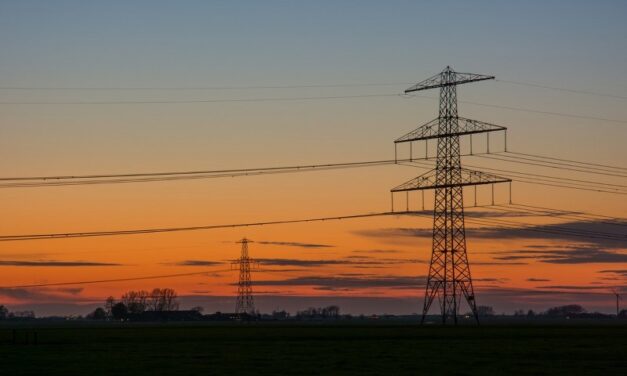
432	130
439	80
428	180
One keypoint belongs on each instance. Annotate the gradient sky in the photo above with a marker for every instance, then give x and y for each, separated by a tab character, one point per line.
366	265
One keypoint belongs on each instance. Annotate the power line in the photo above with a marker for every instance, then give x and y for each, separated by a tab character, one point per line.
554	229
70	235
586	92
111	280
195	88
192	101
531	162
561	214
580	212
64	180
568	160
503	223
184	176
133	177
308	98
569	186
529	110
544	180
577	167
552	113
553	178
264	87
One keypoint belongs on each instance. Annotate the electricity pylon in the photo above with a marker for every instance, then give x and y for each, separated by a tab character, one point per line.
245	303
449	272
617	296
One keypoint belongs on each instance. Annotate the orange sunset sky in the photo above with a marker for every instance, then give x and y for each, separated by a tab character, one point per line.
284	50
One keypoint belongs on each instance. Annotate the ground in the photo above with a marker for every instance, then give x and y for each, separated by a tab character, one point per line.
311	349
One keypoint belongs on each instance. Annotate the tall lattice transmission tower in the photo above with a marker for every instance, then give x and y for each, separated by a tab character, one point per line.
449	271
245	303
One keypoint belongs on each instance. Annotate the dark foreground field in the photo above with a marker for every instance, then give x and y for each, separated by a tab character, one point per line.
264	349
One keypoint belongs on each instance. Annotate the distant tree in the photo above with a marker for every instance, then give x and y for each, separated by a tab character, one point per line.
485	311
280	315
622	313
531	313
98	314
136	301
119	311
163	300
4	312
198	309
519	312
325	312
565	310
22	315
332	311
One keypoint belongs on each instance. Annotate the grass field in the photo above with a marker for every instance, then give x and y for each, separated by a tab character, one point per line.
313	349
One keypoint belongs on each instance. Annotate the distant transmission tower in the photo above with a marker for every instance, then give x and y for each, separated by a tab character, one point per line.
449	272
245	303
617	296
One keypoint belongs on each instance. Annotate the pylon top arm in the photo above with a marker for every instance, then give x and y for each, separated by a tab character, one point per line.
444	79
432	130
468	177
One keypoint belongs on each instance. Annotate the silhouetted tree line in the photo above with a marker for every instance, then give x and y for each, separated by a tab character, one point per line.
162	304
135	303
330	312
5	314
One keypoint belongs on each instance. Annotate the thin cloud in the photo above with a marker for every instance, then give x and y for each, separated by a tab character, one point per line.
492	280
509	263
42	294
296	244
198	263
571	255
357	261
538	280
344	282
377	251
573	287
618	272
559	231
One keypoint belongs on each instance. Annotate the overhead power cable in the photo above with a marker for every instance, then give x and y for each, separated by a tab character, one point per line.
552	229
529	110
542	86
294	86
544	180
575	215
197	88
594	215
69	235
567	165
88	179
568	160
112	280
191	101
211	227
302	98
63	180
531	162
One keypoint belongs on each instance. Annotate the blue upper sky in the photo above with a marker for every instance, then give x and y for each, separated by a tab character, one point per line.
580	43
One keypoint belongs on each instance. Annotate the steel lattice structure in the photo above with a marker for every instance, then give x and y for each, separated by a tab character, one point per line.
245	303
449	275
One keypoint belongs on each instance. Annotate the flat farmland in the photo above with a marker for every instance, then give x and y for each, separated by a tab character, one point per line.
311	349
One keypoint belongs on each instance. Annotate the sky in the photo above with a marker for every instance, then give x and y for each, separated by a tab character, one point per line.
369	265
